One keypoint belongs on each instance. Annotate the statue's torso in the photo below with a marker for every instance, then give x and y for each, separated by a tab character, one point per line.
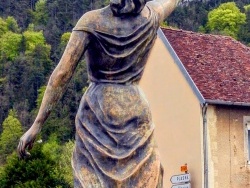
119	46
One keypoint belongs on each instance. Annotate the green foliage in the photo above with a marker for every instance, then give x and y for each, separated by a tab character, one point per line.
194	16
18	90
31	27
84	89
63	42
12	131
226	19
3	27
65	38
2	80
10	44
25	75
64	162
33	39
202	29
40	15
189	17
247	8
41	92
164	24
62	157
244	33
52	148
18	9
12	24
59	123
48	166
38	171
61	120
41	57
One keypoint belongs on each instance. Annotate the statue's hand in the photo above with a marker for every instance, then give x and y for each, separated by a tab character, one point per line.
26	141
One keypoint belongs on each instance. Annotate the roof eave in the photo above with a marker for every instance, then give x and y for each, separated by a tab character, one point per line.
228	103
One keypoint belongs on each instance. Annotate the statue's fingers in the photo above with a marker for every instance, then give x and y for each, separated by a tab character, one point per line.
19	149
23	151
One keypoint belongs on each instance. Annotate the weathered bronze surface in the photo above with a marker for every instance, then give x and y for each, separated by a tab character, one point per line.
114	130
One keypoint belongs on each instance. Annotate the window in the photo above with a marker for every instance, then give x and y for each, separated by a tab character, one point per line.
247	137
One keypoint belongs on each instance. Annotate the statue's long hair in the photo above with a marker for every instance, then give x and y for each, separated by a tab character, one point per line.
122	7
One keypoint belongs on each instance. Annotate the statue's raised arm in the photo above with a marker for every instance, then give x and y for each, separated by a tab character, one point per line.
164	7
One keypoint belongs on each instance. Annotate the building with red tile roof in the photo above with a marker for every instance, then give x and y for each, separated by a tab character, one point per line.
218	65
198	87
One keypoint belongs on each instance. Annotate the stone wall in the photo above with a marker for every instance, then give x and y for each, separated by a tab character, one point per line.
228	166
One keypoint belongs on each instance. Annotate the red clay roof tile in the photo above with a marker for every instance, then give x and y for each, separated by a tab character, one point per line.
219	65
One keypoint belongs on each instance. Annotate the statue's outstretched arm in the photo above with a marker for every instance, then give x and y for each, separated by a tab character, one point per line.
164	7
56	86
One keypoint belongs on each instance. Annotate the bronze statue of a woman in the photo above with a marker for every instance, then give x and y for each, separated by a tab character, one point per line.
114	130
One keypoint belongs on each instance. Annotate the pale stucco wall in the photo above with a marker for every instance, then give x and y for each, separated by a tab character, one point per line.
228	166
177	116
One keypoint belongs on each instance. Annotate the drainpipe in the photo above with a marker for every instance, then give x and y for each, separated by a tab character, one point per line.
205	150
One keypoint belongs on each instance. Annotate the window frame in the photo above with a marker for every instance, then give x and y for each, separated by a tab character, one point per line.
246	128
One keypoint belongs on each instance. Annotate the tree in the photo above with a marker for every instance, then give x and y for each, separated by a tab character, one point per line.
18	9
197	15
39	99
60	121
10	41
62	156
10	44
38	171
12	131
3	26
40	15
65	38
226	19
4	101
32	39
64	162
12	24
244	33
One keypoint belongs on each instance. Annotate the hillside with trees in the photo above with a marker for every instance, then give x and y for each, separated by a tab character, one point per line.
33	35
216	16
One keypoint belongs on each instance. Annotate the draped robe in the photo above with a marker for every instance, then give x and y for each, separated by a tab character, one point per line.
114	129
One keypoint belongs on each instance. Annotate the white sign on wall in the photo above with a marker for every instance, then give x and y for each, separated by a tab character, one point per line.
182	178
187	185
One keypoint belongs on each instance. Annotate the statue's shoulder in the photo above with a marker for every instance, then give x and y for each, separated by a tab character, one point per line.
91	19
